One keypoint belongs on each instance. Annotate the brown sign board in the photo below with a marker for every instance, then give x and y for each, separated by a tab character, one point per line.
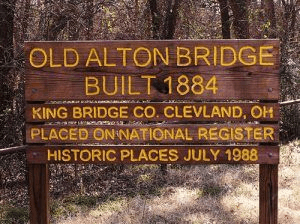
45	86
156	70
162	111
137	154
138	57
155	134
153	95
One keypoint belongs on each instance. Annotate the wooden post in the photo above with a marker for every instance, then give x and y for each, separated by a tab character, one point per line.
39	193
268	194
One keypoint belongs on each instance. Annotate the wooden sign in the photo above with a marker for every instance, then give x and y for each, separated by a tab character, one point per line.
159	102
155	134
163	111
45	86
197	70
175	74
249	55
137	154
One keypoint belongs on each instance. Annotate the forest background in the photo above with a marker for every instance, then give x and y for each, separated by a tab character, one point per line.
42	20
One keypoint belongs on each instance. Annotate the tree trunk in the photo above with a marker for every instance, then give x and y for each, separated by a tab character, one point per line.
225	19
293	21
155	19
89	18
170	20
6	34
58	24
44	20
22	25
290	18
240	18
25	21
270	15
7	8
71	21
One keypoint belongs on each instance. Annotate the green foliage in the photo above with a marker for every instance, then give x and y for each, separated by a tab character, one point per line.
212	190
82	200
16	215
72	205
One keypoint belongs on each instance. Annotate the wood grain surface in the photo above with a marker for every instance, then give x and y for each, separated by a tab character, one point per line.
152	134
156	154
162	111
